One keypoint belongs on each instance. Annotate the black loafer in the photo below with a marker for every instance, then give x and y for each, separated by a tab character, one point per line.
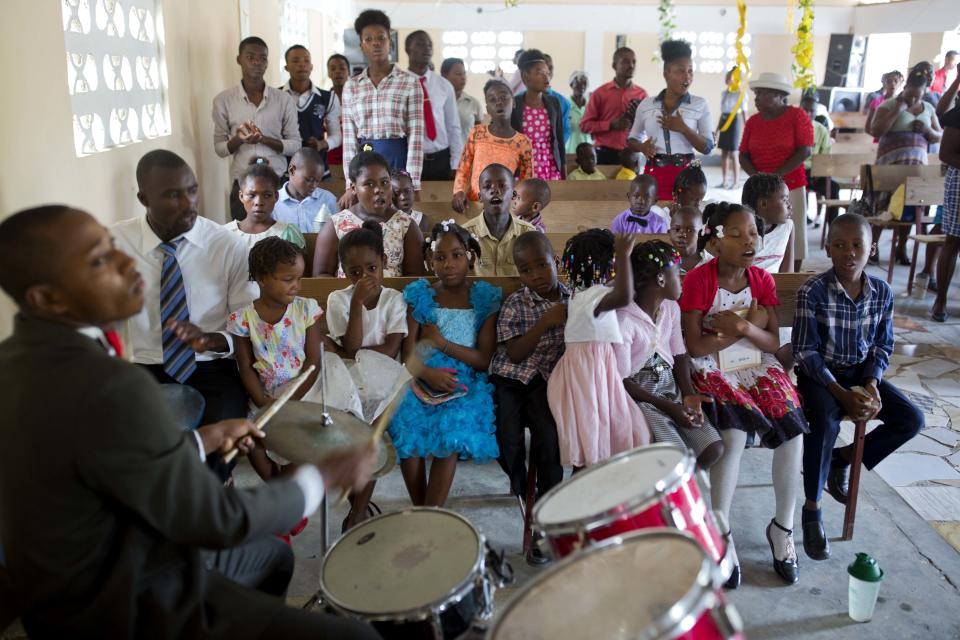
838	482
733	582
815	543
788	568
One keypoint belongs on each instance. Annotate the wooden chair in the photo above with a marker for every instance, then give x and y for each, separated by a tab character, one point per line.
923	192
840	167
887	178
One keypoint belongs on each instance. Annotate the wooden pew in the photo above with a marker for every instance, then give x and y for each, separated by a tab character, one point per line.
609	170
442	191
559	240
849	120
321	288
860	142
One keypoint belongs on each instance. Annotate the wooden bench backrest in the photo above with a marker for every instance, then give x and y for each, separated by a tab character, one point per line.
442	191
849	120
559	240
564	216
609	170
321	288
336	186
840	165
924	191
887	177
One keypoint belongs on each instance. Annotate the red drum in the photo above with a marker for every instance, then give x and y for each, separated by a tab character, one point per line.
653	486
651	585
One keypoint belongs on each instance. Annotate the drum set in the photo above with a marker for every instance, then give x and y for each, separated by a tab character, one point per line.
638	554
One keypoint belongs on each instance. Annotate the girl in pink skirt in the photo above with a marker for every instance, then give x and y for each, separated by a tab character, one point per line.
595	417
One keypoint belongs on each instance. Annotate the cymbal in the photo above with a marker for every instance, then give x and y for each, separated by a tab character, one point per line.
298	434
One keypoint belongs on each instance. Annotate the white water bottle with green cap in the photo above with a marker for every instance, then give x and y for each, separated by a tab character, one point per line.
865	578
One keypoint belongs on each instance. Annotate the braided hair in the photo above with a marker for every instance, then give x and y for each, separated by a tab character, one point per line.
369	235
588	258
270	252
448	227
715	215
760	185
691	176
649	259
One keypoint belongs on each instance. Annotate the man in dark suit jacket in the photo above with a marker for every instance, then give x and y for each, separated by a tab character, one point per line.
105	505
536	77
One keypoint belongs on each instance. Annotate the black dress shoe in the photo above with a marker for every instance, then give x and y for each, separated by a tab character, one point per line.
815	543
788	568
838	482
733	582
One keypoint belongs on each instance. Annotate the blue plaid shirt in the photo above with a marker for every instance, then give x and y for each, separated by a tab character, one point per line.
831	331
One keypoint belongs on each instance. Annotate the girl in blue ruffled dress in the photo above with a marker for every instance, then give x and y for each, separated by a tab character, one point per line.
448	411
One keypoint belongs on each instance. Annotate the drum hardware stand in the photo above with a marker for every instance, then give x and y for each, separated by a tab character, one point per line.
326	421
727	618
672	515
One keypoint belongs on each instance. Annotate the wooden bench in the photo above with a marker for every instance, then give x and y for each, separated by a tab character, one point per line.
563	216
848	120
442	191
559	240
609	170
321	288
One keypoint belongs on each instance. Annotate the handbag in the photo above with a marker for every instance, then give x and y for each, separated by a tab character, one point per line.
866	205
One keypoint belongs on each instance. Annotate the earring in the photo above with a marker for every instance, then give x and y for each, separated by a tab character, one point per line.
661	280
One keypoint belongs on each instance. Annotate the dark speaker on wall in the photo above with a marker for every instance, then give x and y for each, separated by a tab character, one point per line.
845	60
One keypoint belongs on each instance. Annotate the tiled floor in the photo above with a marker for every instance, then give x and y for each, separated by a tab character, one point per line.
926	366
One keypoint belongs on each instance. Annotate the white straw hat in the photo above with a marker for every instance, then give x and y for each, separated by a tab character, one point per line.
775	81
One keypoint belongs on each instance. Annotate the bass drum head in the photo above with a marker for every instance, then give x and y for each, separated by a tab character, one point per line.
638	588
603	487
400	562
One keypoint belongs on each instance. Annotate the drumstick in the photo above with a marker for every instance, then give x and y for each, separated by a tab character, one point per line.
379	427
262	421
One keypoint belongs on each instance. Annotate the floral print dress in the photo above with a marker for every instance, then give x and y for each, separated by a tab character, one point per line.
394	231
536	126
279	349
759	400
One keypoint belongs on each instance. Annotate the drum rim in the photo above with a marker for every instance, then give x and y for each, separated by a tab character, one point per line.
454	596
701	595
673	479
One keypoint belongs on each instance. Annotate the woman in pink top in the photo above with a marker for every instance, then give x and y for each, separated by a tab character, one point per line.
538	116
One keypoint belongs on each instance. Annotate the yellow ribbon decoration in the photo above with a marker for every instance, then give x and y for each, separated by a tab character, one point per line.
741	70
803	48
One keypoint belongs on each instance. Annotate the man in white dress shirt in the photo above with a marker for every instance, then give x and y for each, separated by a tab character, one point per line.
442	137
253	120
172	238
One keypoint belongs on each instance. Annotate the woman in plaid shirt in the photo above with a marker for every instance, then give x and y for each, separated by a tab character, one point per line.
383	105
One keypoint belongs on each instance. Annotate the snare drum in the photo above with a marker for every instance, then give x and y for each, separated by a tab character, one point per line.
653	486
651	585
419	573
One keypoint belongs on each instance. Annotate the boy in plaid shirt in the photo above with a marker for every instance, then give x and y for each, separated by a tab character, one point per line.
842	341
529	343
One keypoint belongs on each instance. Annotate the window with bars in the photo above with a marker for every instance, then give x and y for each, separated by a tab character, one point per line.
293	30
116	73
713	51
483	51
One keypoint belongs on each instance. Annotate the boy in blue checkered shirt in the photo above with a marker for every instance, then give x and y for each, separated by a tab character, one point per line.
529	343
842	341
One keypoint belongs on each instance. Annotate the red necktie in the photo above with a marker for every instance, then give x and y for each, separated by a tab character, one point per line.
429	124
114	339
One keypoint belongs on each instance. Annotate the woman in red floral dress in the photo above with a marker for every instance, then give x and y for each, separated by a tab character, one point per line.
727	305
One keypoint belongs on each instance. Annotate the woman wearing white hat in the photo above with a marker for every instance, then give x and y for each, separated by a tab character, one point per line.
778	139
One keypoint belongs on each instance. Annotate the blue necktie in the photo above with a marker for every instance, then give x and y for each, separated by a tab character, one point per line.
178	360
